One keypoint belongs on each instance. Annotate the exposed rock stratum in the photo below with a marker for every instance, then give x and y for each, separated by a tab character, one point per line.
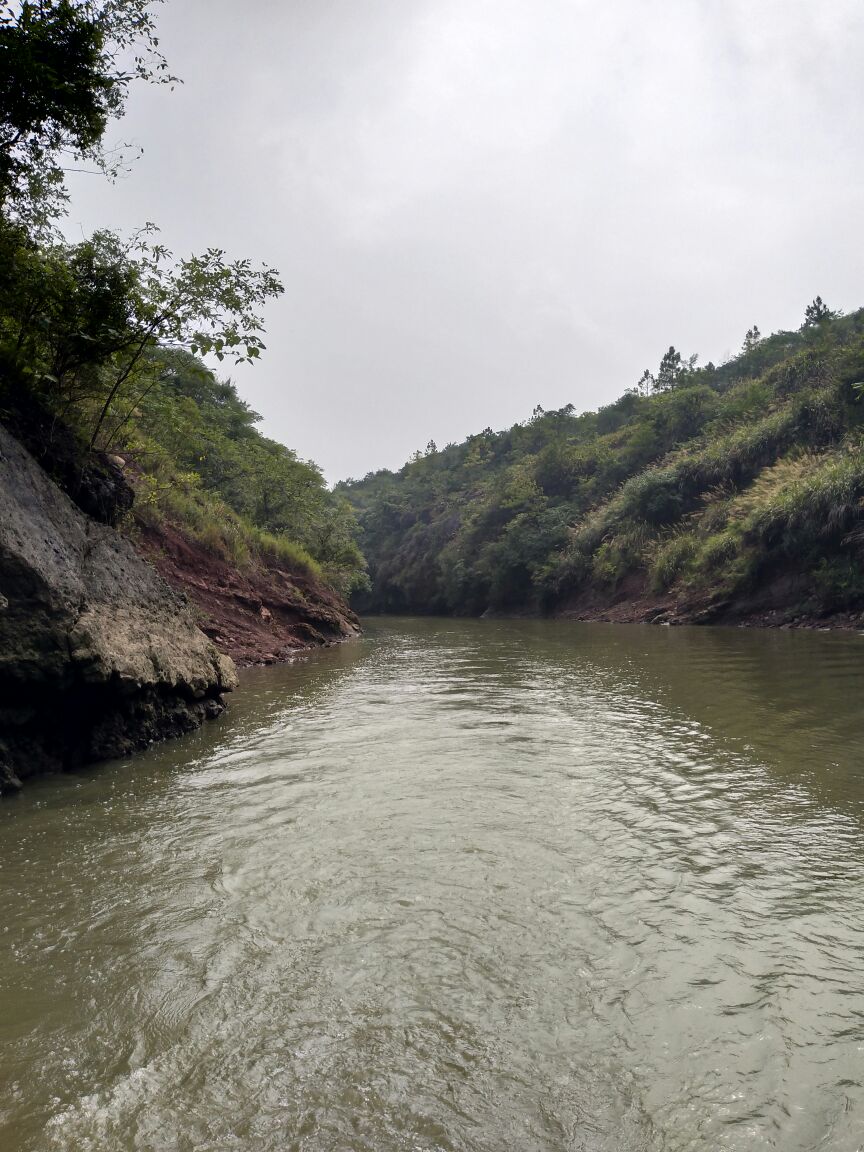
98	655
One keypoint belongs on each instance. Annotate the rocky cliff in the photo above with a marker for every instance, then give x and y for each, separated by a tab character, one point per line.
98	656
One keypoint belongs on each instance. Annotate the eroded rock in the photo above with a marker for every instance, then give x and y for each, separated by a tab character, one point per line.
98	656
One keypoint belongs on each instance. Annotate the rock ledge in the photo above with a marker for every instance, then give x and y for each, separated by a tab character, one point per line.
98	656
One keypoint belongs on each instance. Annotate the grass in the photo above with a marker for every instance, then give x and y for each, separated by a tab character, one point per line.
805	500
712	479
804	509
204	518
670	559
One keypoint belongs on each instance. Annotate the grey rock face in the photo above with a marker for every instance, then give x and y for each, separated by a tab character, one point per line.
98	656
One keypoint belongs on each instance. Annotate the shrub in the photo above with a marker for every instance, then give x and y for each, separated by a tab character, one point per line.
212	539
280	550
805	500
653	496
717	550
619	555
838	582
671	559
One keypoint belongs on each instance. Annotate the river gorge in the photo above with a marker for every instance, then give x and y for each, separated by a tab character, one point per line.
459	885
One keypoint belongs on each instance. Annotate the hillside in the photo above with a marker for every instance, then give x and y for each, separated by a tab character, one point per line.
103	344
237	522
147	528
713	493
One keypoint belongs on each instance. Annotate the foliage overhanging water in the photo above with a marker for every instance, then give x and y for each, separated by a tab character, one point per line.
463	885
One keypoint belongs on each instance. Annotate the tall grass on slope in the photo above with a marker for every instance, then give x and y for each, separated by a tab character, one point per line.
804	502
806	510
219	529
659	497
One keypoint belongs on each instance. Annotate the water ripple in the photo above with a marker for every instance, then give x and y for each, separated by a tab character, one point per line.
464	886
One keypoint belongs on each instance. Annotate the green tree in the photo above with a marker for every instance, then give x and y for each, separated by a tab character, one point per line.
817	313
65	71
80	322
559	510
673	371
669	370
646	383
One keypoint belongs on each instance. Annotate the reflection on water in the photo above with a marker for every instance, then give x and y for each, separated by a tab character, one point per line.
463	885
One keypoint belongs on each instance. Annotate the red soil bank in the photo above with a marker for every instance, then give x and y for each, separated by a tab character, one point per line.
258	616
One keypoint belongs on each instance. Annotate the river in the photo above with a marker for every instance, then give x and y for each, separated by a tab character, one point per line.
471	885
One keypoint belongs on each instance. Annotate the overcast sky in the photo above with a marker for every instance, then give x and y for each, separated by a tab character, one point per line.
478	206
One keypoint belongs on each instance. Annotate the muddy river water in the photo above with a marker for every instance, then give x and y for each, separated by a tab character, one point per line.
467	885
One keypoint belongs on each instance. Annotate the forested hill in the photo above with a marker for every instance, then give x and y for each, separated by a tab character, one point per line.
140	433
701	493
101	346
247	529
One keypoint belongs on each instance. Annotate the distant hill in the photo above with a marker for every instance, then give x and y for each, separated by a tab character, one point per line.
702	493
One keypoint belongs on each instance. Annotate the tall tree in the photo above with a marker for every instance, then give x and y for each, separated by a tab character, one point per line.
669	370
817	313
646	383
79	323
65	71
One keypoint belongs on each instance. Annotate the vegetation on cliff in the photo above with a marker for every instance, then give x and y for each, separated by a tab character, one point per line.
99	340
715	488
203	465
